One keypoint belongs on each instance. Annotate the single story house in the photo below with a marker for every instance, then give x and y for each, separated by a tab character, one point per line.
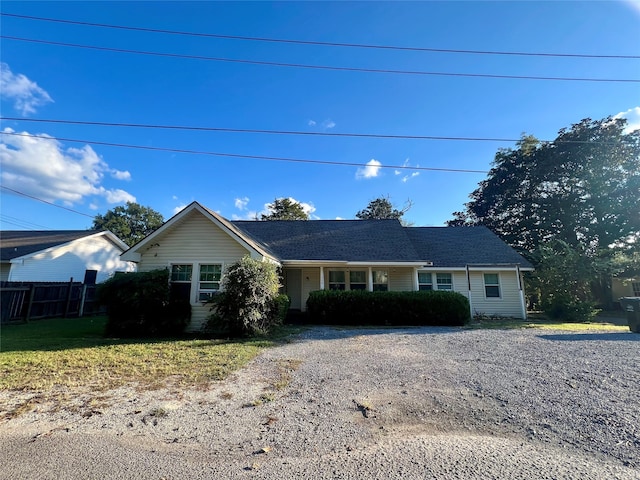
197	244
59	255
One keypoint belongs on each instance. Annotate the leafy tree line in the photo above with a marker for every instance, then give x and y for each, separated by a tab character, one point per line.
575	199
130	223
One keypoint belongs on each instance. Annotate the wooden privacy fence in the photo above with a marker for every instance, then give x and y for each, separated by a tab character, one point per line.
24	301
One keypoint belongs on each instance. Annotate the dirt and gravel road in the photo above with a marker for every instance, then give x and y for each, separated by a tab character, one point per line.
339	403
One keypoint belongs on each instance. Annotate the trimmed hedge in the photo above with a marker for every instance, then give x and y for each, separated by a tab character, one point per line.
140	305
337	307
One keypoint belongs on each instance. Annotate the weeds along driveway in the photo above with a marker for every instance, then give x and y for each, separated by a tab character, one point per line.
365	403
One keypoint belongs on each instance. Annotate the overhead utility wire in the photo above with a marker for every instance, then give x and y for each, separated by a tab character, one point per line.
316	67
325	44
289	132
41	200
19	222
238	155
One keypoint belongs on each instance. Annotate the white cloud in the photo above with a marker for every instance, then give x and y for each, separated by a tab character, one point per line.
25	94
41	167
407	177
178	209
372	170
241	203
121	174
406	165
328	124
633	119
311	123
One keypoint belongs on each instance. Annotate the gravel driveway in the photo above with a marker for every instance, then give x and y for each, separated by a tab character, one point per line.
364	403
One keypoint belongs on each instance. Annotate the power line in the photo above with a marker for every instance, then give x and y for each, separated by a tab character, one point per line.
251	130
238	155
288	132
22	194
19	222
326	44
318	67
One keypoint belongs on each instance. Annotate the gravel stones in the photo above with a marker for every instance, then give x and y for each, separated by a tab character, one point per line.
366	403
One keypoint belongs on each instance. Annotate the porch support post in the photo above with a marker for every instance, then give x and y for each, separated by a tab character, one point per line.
416	285
469	290
370	280
321	278
523	305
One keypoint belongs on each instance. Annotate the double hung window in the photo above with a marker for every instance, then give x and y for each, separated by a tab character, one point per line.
425	281
492	285
180	281
337	280
444	281
209	281
380	280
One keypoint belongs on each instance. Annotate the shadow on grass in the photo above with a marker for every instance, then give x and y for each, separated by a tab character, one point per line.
56	334
590	337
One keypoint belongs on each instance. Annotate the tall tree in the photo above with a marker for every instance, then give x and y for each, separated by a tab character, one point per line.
285	209
582	188
382	208
131	223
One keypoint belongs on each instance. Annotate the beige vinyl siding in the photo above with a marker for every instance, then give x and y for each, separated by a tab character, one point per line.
194	240
62	263
509	303
401	279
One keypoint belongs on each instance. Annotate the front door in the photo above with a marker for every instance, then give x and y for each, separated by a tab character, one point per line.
293	287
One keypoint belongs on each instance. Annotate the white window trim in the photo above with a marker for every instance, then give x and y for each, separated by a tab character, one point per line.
418	280
347	278
207	290
371	277
499	285
437	285
194	296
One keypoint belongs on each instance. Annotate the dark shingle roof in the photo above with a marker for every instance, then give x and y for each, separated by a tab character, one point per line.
16	243
380	241
461	246
338	240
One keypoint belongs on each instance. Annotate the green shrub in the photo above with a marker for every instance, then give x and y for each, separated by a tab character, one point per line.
564	307
249	302
359	307
139	305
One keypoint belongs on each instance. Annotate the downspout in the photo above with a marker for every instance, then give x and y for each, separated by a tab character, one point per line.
523	306
469	290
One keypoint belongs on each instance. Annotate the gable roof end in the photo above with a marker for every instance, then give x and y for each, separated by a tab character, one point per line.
22	243
133	253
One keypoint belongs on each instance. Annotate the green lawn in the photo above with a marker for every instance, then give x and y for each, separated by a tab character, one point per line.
536	321
72	352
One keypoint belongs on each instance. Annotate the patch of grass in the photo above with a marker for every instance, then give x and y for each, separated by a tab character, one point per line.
285	368
542	323
52	355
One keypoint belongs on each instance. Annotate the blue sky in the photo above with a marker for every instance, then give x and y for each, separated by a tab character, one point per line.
52	82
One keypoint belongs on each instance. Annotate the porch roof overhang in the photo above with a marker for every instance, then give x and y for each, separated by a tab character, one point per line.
342	263
481	267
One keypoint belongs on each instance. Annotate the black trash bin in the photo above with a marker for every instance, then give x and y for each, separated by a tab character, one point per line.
632	306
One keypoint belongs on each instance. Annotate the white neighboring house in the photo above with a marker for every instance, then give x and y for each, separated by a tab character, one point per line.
59	255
